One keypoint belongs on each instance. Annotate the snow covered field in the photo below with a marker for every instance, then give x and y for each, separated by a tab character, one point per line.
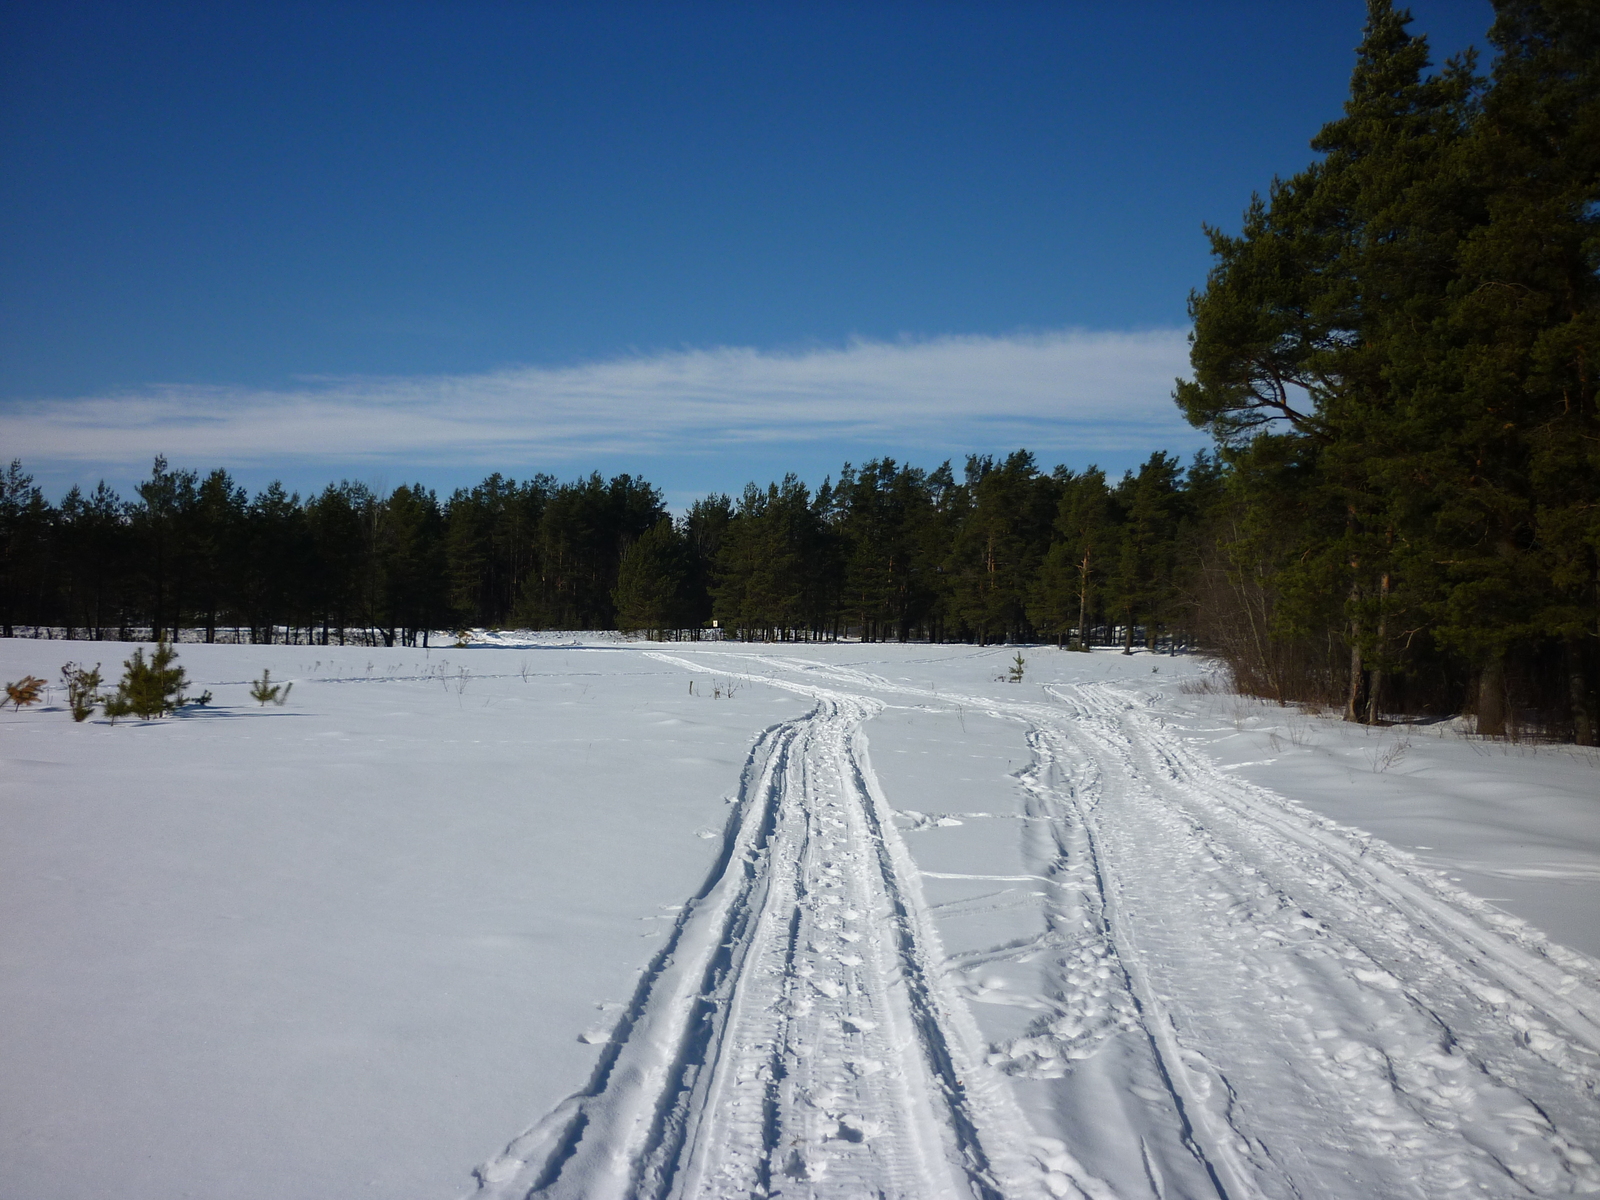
623	919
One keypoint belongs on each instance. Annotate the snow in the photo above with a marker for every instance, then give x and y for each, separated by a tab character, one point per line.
602	917
1515	824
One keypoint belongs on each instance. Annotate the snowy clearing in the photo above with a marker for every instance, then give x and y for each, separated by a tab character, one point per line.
714	920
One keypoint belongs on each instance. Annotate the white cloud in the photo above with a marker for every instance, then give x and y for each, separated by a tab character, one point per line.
1091	392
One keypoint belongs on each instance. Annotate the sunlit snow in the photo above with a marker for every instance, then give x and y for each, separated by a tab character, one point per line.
608	918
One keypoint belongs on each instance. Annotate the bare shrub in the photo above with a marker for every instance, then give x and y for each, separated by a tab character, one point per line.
83	689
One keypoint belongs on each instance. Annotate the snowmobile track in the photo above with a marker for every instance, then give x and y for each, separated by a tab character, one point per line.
1239	999
793	1037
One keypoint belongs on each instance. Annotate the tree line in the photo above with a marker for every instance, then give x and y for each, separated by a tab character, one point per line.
1005	552
1398	355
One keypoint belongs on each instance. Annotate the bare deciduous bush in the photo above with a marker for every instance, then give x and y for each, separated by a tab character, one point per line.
83	689
1237	610
1383	756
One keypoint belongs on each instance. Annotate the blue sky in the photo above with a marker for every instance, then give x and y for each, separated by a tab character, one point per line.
700	242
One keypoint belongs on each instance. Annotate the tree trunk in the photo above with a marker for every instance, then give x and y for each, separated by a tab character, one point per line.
1352	703
1083	602
1492	696
1375	697
1581	694
1357	692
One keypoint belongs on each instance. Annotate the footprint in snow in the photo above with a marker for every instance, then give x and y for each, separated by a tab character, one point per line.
853	1128
1378	979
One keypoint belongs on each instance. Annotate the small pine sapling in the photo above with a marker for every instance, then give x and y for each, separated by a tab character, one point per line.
83	689
1016	669
148	689
24	691
263	691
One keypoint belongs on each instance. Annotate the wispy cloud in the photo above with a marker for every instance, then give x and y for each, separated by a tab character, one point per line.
1091	392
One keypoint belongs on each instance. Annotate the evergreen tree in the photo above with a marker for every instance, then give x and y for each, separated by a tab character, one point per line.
273	590
93	550
1000	544
26	543
491	544
1139	584
339	552
1067	593
584	529
772	568
880	514
1525	567
703	530
162	520
218	533
149	689
416	590
1337	292
650	581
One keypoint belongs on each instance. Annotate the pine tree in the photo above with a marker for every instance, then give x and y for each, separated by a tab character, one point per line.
1067	591
1001	543
650	582
880	514
25	529
775	566
163	519
1140	579
1327	322
149	689
217	530
1528	316
264	692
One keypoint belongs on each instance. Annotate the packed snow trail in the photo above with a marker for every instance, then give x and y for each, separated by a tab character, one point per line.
795	1036
1235	998
1322	1016
1326	1018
